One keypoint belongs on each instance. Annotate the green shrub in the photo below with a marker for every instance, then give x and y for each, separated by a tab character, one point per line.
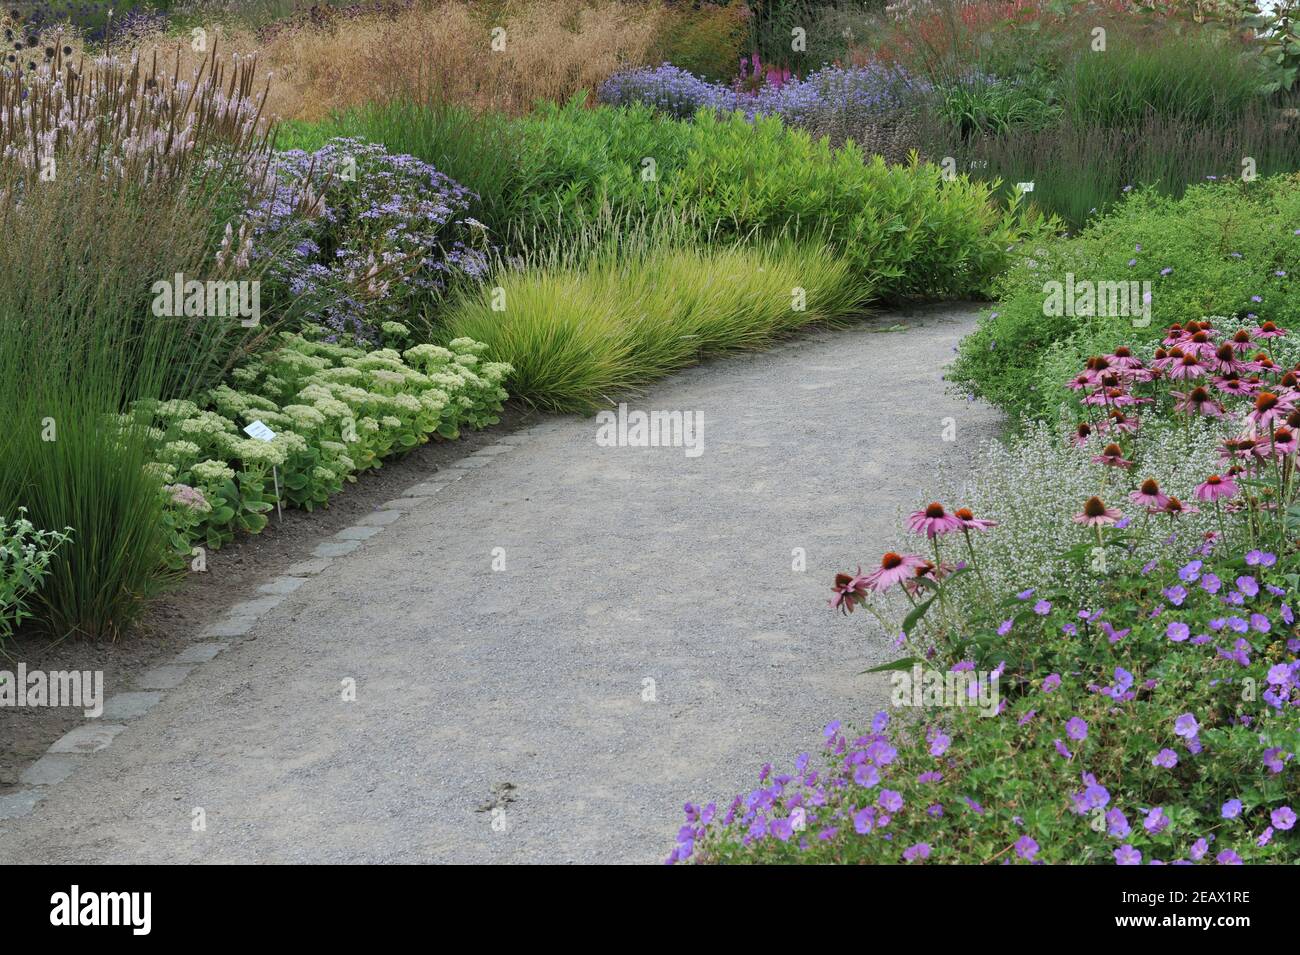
1213	252
905	229
557	172
579	334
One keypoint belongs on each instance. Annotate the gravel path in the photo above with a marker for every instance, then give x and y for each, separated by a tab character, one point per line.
523	689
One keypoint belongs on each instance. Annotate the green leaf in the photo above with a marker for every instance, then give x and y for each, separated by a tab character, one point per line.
904	663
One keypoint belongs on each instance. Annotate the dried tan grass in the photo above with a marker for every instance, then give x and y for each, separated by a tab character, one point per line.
443	51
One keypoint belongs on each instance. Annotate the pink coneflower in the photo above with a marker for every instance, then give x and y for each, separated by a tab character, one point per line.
1080	382
1233	449
1113	456
1163	359
1174	508
933	521
1123	358
1113	396
1267	330
1173	334
1281	442
1263	364
1187	367
1215	488
849	590
1225	359
1234	384
1117	421
1095	513
1081	434
970	522
1241	341
1197	401
1200	343
1268	409
1149	494
894	569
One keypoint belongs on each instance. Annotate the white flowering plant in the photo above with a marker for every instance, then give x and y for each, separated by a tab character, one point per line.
335	409
25	556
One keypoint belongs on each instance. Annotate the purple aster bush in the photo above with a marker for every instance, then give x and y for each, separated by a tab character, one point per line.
839	102
667	88
362	236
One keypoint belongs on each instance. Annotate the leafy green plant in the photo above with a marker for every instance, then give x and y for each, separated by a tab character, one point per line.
987	105
335	410
25	556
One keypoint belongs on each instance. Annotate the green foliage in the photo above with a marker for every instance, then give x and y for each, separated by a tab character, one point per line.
1198	79
563	169
903	228
25	556
989	106
1224	244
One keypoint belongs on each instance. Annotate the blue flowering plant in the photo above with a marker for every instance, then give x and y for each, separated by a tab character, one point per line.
362	236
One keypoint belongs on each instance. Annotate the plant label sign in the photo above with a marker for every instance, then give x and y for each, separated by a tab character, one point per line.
259	431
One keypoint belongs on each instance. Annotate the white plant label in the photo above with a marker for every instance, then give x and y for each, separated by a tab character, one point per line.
259	431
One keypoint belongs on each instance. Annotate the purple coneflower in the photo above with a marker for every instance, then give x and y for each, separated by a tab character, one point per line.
1149	494
932	521
1216	487
1095	513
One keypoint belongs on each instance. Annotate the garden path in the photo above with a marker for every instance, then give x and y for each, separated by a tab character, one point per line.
524	689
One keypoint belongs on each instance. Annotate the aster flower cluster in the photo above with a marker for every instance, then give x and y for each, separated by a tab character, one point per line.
383	230
849	95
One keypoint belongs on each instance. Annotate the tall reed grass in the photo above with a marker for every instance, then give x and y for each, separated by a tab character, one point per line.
146	170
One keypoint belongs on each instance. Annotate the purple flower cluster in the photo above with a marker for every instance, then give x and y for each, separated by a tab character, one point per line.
669	89
356	232
845	94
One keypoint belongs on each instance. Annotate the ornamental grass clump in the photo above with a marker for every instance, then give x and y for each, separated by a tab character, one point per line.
136	121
